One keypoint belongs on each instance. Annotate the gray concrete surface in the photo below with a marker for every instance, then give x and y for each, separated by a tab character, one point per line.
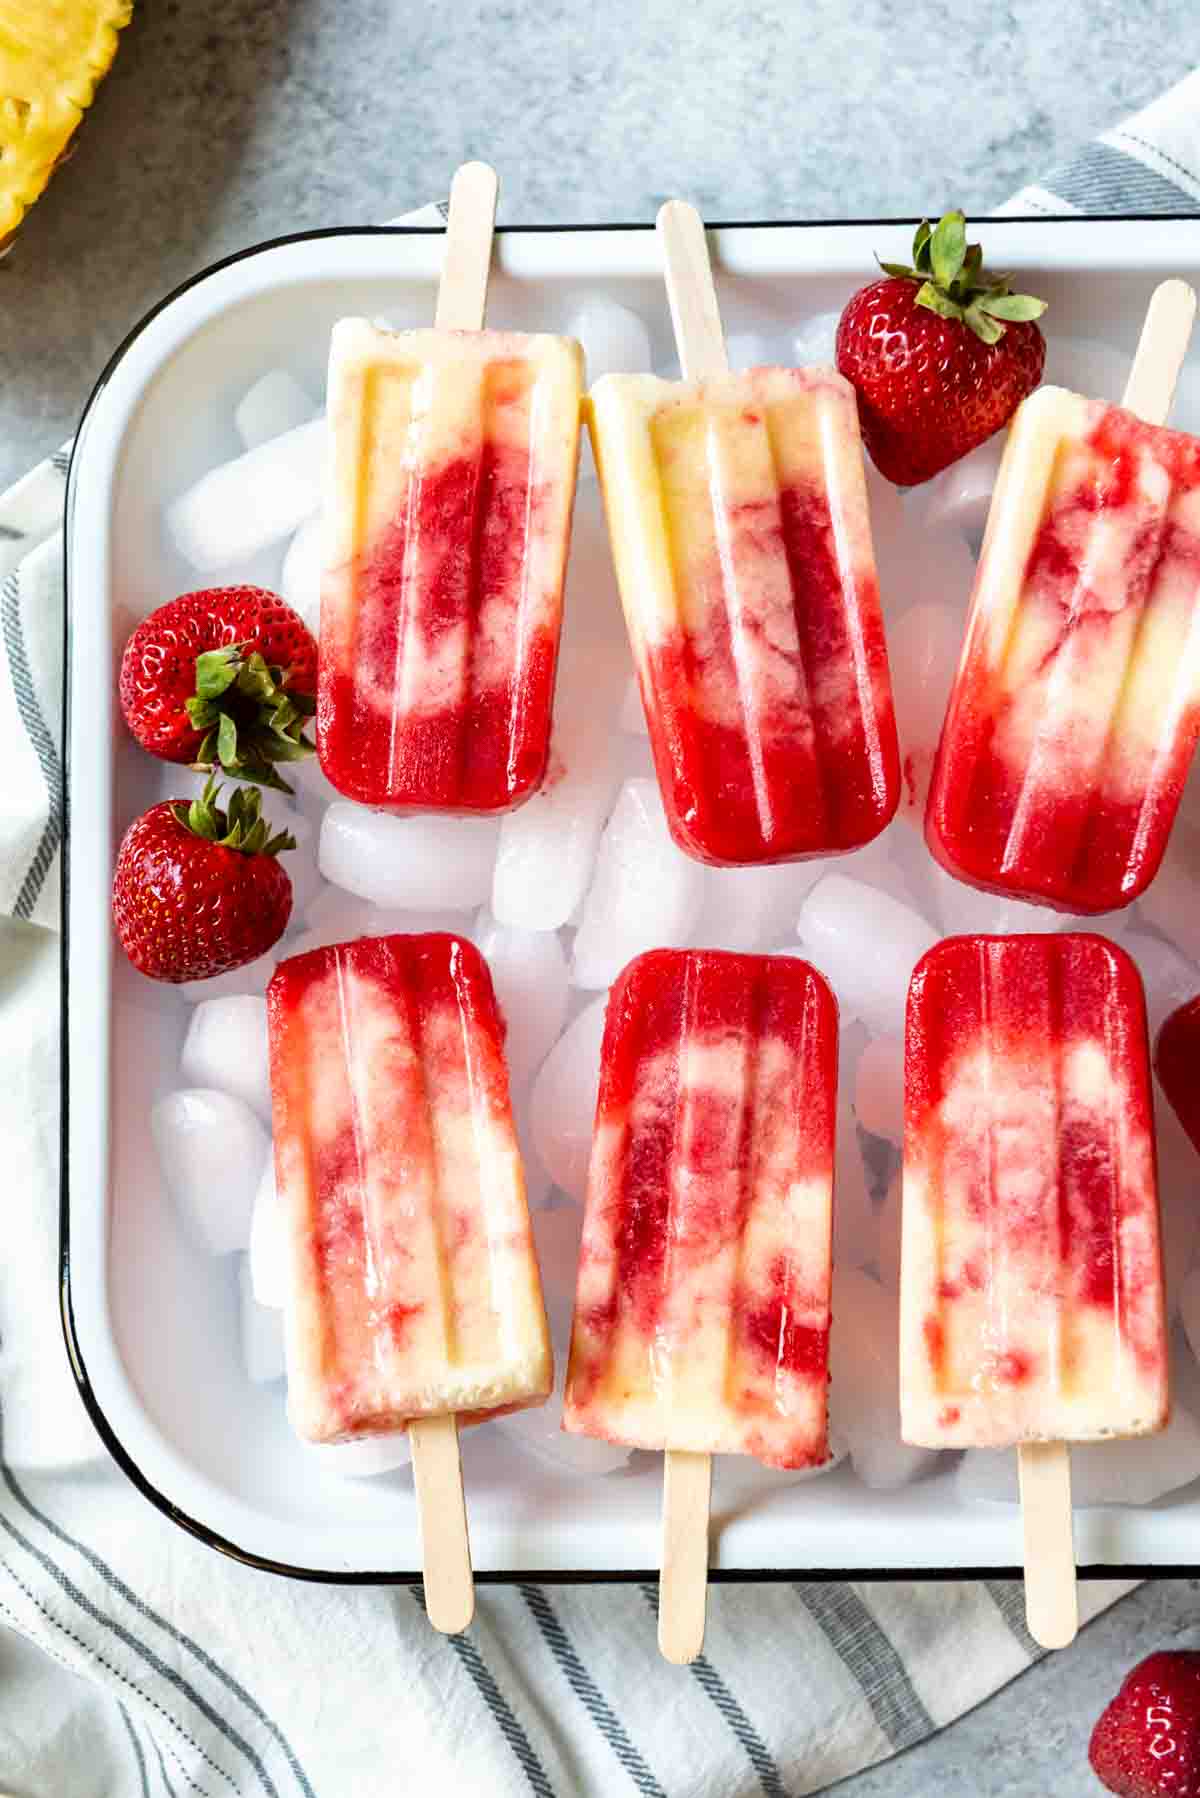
228	122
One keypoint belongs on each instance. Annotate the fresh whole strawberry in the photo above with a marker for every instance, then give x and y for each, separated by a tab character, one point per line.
198	889
1147	1741
225	675
940	354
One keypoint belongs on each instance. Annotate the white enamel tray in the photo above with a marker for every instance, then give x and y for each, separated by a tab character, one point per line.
150	1321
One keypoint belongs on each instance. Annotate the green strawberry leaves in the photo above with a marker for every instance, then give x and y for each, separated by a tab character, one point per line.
955	284
250	717
239	825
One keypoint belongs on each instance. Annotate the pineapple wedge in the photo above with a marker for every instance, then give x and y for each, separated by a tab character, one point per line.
53	53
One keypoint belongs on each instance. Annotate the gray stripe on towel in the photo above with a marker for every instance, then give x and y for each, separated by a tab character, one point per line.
714	1687
588	1692
868	1653
506	1719
1104	179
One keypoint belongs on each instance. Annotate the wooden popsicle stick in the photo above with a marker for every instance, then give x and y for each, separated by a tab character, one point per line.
462	291
1161	349
1051	1600
690	291
683	1583
445	1548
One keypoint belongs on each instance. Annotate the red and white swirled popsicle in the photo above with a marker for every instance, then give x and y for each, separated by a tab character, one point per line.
1076	709
1031	1281
413	1288
702	1308
737	509
452	479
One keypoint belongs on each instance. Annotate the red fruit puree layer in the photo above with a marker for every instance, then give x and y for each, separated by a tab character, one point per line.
1177	1064
475	735
1081	821
774	739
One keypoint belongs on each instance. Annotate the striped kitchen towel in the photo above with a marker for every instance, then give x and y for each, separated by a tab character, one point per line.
194	1674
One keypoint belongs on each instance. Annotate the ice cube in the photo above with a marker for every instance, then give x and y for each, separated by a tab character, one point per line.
313	787
300	581
887	1253
539	1188
746	908
426	860
211	1150
562	1105
755	349
548	848
539	1430
958	499
335	910
854	1226
864	1383
300	862
268	1242
633	712
242	506
556	1236
814	341
529	973
645	894
1168	979
615	340
262	1332
276	403
1169	902
226	1048
252	977
592	615
867	944
923	651
879	1087
387	920
365	1459
1088	366
964	910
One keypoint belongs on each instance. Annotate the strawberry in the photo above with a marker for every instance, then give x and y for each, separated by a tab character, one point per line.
940	354
1147	1741
225	674
198	889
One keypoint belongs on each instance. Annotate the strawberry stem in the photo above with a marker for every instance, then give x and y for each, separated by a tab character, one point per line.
954	283
239	825
250	717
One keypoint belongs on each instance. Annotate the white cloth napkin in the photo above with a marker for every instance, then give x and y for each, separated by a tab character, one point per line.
196	1674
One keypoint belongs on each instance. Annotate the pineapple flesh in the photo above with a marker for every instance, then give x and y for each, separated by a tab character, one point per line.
53	54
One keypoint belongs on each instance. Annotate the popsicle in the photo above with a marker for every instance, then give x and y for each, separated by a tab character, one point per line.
737	510
702	1308
413	1297
1177	1064
448	514
1031	1284
1076	707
